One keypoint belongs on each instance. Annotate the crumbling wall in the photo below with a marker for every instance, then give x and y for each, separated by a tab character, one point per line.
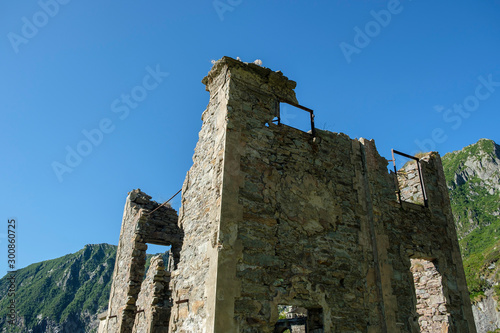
410	189
194	282
294	223
431	303
273	215
153	302
288	218
144	221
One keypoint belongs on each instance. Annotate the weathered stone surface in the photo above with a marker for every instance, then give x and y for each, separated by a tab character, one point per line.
486	312
144	221
431	303
154	300
311	223
272	215
410	188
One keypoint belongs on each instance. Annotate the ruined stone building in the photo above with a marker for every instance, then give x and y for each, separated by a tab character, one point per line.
274	216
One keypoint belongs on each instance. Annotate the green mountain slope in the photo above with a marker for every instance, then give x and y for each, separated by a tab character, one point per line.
63	294
473	178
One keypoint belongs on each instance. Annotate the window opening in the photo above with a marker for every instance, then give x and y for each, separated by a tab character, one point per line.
409	181
291	114
296	319
154	297
432	313
152	250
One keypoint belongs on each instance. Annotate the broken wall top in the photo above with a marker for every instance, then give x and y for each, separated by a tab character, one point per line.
261	78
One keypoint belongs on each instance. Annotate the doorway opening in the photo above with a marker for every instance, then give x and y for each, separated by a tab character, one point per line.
432	312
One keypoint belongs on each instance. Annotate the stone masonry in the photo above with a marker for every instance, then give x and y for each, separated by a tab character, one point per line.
431	303
409	183
272	215
153	302
133	302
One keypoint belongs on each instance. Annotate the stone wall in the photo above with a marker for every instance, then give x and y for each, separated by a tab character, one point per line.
144	221
410	188
194	282
275	216
431	303
153	302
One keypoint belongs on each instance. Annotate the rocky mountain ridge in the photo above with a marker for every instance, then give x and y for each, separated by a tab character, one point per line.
482	161
473	178
63	294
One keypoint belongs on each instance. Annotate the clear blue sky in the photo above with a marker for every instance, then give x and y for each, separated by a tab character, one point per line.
373	69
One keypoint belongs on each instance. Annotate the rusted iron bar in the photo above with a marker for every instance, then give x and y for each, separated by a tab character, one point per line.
403	154
313	129
426	203
278	112
396	174
166	202
297	105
